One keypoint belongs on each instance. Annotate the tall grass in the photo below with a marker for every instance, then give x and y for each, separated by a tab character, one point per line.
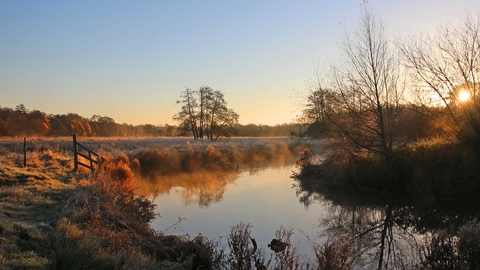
166	161
73	248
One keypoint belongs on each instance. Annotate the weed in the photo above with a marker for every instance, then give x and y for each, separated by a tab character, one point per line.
335	253
288	257
242	254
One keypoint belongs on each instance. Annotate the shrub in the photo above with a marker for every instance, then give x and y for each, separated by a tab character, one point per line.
305	158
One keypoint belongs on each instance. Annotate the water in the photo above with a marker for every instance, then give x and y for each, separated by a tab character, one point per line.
209	204
265	199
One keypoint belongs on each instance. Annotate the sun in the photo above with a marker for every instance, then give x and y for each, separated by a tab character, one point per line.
463	96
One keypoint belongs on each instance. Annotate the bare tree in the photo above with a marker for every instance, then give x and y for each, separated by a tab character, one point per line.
187	117
205	113
366	103
446	66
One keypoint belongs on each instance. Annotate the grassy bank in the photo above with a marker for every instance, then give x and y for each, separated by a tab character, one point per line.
54	218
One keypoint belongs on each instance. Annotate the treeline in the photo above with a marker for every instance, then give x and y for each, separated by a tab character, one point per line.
254	130
23	122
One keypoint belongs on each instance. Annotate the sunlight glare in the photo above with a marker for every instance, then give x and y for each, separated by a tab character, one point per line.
463	96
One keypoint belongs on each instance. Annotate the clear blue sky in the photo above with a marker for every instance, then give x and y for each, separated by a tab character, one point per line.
130	60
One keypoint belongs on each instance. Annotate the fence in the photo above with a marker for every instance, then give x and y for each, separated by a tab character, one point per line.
91	157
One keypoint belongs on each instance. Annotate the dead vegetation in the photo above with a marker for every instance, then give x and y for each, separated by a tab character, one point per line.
54	218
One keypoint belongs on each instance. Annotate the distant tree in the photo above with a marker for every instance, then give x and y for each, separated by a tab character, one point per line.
57	125
21	108
366	104
150	130
187	117
314	112
204	113
105	126
38	123
170	130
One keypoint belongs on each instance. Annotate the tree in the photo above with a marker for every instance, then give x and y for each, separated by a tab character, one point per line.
366	102
204	113
38	123
187	117
314	111
21	108
446	65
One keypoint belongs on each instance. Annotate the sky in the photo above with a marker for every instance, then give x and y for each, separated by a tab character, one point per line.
130	60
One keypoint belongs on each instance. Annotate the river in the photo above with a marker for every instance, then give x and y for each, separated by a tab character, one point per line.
267	198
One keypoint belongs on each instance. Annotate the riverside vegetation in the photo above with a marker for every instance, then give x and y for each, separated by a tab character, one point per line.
55	218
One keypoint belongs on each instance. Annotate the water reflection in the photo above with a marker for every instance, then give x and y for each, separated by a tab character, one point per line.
203	187
386	233
381	240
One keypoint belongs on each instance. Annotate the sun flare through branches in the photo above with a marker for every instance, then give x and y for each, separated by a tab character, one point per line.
463	96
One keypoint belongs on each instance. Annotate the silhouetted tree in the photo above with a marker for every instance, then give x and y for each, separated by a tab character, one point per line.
204	113
314	112
365	106
21	108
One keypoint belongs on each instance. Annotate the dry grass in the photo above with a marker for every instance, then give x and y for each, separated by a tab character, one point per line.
243	154
31	201
52	217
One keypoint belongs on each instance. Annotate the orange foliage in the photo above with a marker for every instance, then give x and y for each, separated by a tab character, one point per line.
119	173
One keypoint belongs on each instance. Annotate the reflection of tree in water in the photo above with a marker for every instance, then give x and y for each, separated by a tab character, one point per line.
385	235
380	240
202	187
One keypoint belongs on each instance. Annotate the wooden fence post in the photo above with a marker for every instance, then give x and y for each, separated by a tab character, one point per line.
79	150
24	152
91	161
75	149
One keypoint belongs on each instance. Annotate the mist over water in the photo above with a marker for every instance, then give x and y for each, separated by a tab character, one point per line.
264	198
268	198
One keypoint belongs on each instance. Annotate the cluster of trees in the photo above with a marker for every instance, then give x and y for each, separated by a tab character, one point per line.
382	94
204	114
22	122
